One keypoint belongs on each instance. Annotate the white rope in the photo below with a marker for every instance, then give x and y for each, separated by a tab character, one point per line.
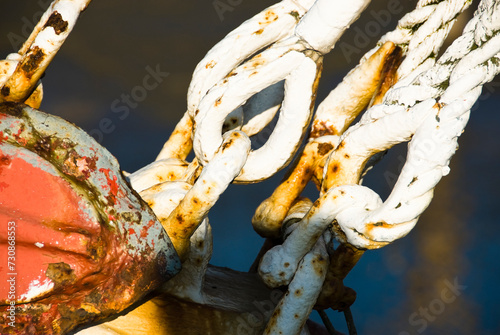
327	20
421	110
279	264
429	37
212	182
421	34
292	312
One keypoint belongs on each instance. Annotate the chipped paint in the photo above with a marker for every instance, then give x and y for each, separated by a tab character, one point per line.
38	51
292	312
267	27
87	238
56	21
279	149
37	288
213	180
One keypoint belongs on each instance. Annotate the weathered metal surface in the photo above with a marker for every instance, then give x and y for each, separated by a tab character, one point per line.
38	51
160	171
179	144
212	182
292	312
334	115
86	245
301	70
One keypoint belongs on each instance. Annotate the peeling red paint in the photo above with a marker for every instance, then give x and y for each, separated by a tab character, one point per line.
3	137
19	139
86	165
112	183
145	229
75	260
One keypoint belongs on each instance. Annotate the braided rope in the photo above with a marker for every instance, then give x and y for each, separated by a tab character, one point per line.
434	122
431	113
412	111
418	33
432	117
422	32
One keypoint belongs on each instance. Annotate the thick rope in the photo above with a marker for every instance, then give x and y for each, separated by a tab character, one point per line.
433	118
431	112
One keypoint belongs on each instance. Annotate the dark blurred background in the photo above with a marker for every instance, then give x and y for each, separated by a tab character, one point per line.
443	278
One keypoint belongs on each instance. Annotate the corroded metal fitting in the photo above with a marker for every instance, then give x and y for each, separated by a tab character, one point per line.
86	246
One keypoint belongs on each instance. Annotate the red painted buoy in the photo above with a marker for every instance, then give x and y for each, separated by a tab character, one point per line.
77	244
